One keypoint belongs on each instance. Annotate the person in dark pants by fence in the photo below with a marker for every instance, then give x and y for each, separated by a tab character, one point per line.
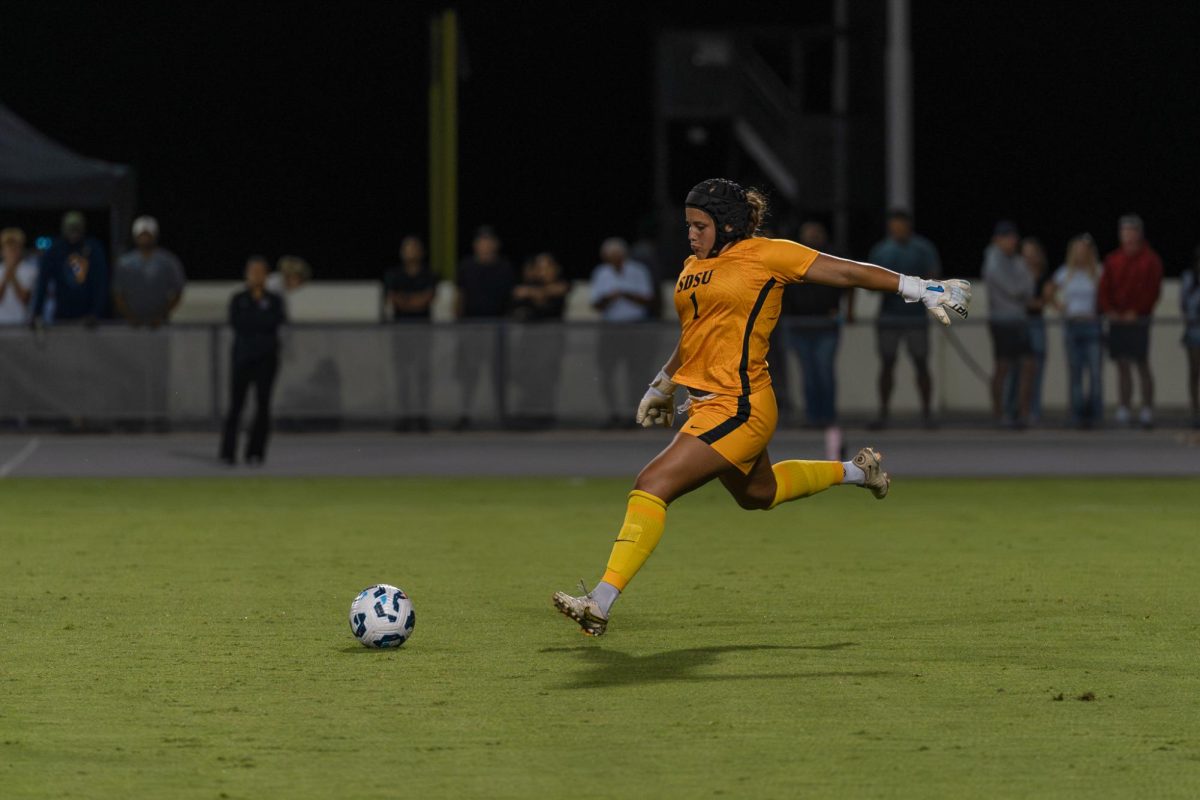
255	315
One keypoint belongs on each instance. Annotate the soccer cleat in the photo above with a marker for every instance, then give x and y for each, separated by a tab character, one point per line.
870	462
584	610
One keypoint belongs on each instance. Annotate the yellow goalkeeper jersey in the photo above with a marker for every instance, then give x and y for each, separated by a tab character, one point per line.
728	306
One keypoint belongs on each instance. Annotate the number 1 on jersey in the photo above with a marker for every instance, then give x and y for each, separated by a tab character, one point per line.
695	307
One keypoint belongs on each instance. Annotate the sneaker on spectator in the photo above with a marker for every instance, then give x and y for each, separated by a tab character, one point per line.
1146	417
1123	417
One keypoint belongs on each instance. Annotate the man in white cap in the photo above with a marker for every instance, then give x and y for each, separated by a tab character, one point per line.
149	279
623	293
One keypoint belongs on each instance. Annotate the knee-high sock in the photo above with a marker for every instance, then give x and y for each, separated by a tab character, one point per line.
796	479
645	519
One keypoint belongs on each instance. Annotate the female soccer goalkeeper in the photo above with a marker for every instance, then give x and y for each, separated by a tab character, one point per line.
728	299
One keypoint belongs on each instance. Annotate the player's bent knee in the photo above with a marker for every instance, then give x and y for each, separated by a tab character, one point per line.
650	482
748	503
755	499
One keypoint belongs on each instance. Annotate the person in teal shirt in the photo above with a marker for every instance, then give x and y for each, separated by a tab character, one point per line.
909	254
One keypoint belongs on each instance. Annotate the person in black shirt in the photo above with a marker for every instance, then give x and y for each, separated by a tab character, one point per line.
813	315
485	285
1035	258
410	285
538	301
410	288
541	296
485	278
255	315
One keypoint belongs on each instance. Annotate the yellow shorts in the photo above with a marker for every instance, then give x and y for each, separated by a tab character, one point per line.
739	428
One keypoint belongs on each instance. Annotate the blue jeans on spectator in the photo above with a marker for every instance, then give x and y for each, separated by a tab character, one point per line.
816	345
1083	337
1037	343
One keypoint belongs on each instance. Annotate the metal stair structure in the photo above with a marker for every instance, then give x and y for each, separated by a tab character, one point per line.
779	109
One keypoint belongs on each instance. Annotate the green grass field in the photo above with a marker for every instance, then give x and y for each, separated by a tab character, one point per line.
188	639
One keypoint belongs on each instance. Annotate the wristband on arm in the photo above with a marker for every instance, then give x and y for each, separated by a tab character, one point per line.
663	384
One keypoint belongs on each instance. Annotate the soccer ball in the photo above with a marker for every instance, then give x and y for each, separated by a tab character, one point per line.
382	616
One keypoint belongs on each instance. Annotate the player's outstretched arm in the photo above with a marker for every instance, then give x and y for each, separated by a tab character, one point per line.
658	404
938	296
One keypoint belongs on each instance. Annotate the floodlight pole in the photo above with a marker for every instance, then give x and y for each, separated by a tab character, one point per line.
450	132
841	111
443	143
436	261
898	112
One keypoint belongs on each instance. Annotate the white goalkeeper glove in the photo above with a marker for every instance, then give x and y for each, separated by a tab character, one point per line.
658	404
938	296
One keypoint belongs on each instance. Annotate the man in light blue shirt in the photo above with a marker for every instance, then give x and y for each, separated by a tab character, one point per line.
622	289
623	292
908	253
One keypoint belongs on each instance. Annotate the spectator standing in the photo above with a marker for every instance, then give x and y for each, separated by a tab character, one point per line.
813	329
1035	259
538	302
622	291
1189	300
485	285
409	291
75	270
1010	288
148	281
1073	291
18	275
1129	289
541	295
291	272
256	315
905	252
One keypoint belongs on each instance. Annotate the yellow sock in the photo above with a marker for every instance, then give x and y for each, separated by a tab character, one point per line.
796	479
645	520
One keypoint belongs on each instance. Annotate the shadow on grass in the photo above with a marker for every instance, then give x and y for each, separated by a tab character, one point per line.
613	668
358	648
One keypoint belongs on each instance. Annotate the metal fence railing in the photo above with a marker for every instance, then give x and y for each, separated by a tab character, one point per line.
493	372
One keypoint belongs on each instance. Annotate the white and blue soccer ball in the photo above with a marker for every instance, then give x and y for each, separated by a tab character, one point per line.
382	616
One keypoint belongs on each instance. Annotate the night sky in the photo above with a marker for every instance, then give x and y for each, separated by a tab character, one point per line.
302	129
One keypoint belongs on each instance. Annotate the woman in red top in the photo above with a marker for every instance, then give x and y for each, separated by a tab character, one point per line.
1129	288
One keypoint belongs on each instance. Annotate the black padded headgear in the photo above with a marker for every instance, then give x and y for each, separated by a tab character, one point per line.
725	202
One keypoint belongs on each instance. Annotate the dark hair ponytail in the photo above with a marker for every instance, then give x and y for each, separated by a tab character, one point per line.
758	211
